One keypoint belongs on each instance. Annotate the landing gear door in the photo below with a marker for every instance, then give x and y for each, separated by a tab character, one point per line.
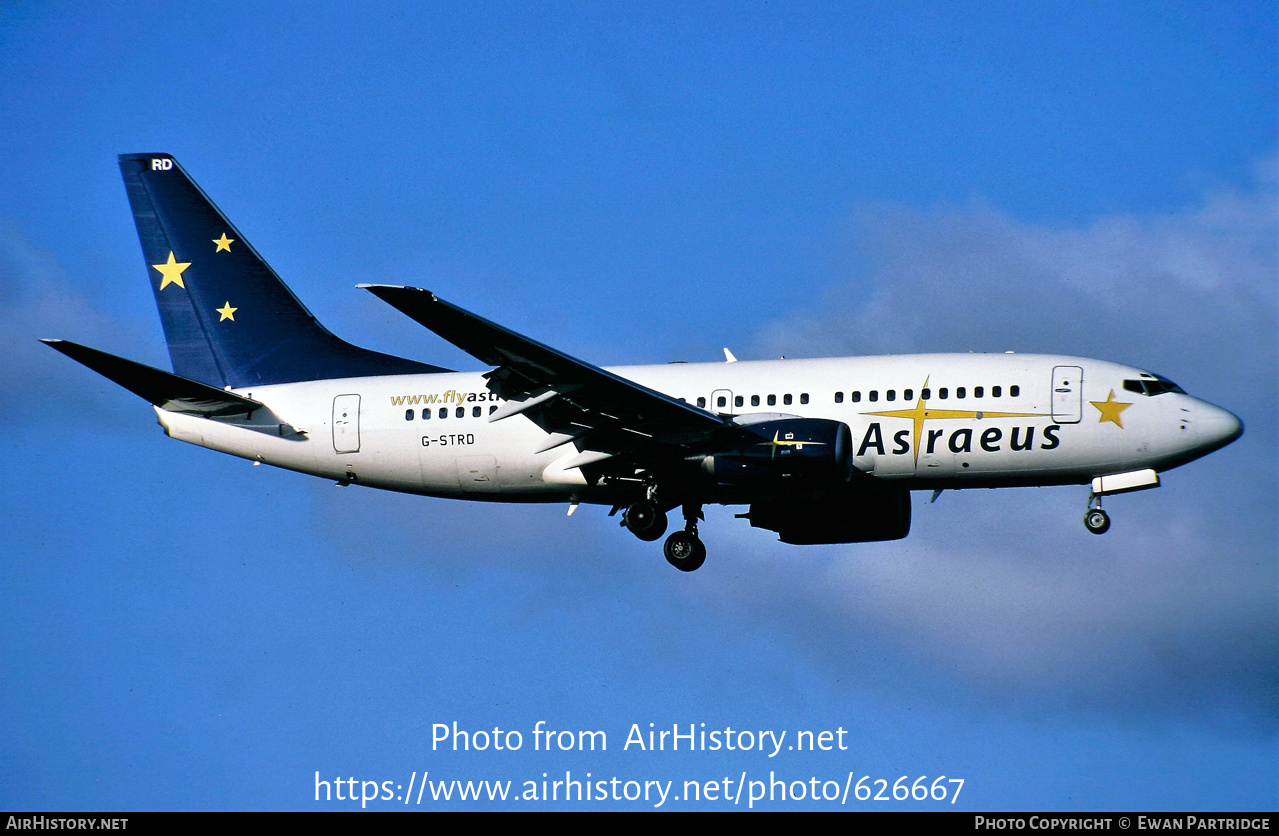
346	423
1068	394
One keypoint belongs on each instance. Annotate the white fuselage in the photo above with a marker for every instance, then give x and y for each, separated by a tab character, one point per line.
988	421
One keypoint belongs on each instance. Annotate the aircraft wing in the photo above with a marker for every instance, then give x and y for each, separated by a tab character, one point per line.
595	408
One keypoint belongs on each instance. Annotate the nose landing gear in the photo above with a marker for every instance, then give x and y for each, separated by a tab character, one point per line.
1096	520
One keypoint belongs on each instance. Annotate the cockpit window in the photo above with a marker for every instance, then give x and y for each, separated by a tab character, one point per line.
1151	385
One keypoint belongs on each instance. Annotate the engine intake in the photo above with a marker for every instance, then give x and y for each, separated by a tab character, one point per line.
768	454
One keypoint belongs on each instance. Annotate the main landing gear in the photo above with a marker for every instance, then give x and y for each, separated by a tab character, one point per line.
645	520
683	549
1096	520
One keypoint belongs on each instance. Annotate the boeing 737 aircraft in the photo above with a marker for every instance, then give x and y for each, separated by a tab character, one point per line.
820	451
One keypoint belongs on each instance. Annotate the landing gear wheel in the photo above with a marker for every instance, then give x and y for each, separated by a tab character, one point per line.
1097	521
685	551
645	520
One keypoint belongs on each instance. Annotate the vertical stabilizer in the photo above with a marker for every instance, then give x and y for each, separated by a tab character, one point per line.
228	319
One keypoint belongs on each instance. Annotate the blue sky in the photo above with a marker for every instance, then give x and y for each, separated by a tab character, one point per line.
180	630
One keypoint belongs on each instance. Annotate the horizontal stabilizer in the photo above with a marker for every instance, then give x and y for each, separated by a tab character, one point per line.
168	391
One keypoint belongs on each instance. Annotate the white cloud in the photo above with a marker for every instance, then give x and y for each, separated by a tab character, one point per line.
1004	591
38	301
1140	288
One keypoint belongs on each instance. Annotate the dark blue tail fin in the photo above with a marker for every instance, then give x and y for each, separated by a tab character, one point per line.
227	317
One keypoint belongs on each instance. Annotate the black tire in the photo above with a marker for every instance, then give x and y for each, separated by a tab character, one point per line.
645	520
685	551
1097	521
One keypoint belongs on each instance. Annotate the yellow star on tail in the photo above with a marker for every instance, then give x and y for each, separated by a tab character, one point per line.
227	312
1110	409
172	271
224	243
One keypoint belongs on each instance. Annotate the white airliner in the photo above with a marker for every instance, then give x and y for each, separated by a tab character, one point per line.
821	451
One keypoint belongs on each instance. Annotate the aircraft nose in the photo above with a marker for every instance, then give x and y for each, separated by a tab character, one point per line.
1217	427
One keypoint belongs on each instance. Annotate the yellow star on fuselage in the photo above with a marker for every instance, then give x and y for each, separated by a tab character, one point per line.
1110	409
922	413
224	243
171	270
227	312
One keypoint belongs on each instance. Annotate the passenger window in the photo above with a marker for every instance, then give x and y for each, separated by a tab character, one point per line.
943	392
857	397
909	394
926	394
721	401
874	395
892	394
754	400
803	398
839	397
444	412
426	414
701	403
1015	391
460	412
786	399
961	392
492	409
408	415
772	400
476	412
996	391
977	391
737	401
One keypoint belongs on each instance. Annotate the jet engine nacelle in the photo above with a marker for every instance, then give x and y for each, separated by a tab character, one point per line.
853	515
767	454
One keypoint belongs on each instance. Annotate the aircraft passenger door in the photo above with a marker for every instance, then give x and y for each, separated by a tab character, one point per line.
346	423
1068	394
722	402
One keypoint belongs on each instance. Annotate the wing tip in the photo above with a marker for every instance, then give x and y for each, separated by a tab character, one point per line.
384	291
